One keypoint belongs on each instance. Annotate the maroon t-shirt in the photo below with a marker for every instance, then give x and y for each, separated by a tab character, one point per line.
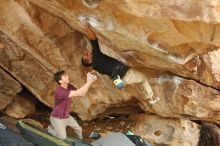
62	102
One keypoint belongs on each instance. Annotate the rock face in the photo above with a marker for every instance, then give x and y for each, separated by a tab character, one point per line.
174	43
167	131
20	107
8	89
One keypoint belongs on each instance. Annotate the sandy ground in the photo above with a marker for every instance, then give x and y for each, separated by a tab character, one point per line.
104	126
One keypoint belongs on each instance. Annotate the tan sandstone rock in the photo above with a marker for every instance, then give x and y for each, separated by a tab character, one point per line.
173	132
8	88
20	107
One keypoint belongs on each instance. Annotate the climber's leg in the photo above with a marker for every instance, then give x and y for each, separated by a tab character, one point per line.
133	76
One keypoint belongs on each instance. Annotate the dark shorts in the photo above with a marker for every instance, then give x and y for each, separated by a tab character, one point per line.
120	70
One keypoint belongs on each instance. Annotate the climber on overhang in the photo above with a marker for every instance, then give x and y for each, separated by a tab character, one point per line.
120	73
